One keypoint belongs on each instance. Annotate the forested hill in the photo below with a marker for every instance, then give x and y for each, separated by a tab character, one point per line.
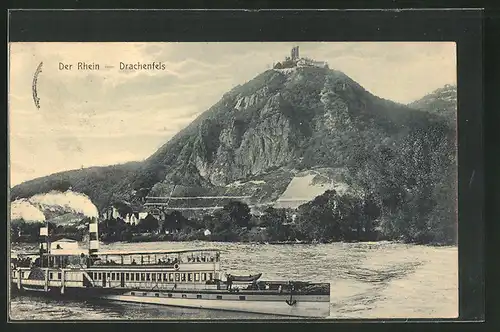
289	120
102	184
442	101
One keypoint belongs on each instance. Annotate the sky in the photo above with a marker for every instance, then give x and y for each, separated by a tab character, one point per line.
110	116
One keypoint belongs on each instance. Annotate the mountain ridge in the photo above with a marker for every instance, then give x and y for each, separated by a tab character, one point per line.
267	129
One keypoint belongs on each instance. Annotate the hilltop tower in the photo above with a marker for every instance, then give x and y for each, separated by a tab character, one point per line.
295	53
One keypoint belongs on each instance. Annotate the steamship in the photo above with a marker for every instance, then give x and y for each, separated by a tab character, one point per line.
190	278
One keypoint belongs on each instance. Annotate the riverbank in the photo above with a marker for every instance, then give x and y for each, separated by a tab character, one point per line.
147	238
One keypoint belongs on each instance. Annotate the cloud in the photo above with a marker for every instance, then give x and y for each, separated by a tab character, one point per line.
23	209
65	202
106	116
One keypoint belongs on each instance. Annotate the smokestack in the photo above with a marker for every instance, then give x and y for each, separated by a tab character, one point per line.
93	236
44	242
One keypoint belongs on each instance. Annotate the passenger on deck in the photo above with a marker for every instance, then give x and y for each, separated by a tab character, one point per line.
134	262
82	259
229	282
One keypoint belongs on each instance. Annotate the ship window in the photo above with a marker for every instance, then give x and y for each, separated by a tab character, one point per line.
127	276
190	277
164	276
219	297
118	276
157	295
196	277
171	277
210	276
169	295
242	297
154	276
177	277
143	276
137	276
159	277
183	278
184	296
113	276
51	275
198	296
100	276
59	275
144	293
133	293
203	276
148	277
132	275
22	274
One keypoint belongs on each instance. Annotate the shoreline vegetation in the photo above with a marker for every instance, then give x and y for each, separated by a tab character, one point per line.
328	218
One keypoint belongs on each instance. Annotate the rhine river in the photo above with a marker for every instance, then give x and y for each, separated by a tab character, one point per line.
368	280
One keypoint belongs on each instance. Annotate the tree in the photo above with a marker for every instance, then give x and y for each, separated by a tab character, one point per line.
238	213
209	221
274	219
334	217
228	222
175	221
225	227
148	224
318	219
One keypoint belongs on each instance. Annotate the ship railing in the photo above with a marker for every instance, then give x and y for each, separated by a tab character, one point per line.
154	261
166	258
145	264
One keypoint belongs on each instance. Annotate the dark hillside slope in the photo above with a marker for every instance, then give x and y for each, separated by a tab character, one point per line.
103	185
289	120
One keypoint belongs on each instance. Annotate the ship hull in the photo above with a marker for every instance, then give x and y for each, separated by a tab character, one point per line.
271	307
300	306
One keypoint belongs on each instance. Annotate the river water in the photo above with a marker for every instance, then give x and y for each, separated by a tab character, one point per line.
368	280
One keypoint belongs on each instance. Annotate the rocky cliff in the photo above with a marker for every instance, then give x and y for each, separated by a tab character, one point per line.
263	133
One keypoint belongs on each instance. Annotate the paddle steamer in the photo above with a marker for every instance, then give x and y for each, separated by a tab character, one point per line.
189	278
